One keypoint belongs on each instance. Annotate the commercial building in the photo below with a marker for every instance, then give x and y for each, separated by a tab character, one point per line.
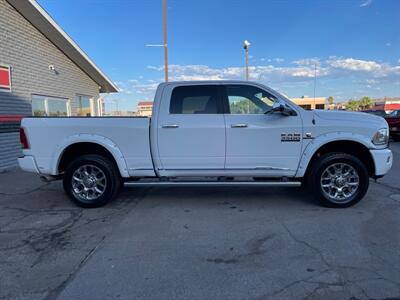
43	72
311	103
145	108
387	104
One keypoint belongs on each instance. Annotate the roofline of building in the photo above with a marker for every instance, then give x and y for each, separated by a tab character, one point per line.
43	22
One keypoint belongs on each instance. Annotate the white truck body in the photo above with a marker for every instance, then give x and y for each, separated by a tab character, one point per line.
202	144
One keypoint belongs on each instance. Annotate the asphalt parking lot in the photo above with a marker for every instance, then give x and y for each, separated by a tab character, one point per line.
198	243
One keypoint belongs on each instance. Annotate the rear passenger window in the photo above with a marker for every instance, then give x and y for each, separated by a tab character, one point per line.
195	99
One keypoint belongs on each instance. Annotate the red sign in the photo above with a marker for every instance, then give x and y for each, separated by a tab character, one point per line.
5	78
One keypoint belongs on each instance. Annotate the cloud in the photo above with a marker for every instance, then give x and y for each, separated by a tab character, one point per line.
145	89
300	70
354	64
155	68
357	67
154	45
372	81
346	74
308	62
260	73
366	3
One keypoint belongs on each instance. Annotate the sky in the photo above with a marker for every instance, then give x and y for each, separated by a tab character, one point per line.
352	46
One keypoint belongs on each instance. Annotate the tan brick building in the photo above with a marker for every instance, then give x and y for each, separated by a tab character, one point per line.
311	103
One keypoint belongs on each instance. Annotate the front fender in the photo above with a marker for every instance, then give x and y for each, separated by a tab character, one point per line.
89	138
324	139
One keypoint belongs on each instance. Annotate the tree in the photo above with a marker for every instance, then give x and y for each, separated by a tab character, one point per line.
366	102
353	105
362	104
330	100
244	107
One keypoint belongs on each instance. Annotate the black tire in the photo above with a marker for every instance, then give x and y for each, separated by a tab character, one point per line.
112	180
319	167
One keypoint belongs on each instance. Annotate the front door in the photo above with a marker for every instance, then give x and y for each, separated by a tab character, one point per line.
259	142
191	130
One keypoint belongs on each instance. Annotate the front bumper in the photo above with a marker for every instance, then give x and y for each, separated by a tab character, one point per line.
28	164
383	160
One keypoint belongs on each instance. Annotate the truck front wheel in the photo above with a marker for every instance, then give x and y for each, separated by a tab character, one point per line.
91	181
338	180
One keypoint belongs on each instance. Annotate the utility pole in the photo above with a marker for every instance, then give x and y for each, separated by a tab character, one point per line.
315	80
165	40
246	45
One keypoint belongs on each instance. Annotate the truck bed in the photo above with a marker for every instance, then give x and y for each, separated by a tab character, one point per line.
127	135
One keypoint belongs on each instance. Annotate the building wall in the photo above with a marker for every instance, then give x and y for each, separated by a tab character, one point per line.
29	54
311	103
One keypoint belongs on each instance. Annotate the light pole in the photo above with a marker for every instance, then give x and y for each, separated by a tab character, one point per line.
165	40
246	45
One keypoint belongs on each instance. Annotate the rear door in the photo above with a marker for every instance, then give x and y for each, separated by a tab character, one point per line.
257	142
191	130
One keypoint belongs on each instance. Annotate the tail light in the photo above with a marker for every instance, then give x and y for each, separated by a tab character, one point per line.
23	138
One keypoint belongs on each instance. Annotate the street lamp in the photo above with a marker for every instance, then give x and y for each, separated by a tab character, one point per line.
246	45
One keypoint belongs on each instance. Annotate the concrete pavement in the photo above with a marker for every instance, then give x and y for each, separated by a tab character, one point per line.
198	243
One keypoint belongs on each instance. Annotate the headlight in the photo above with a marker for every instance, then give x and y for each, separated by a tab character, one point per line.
381	137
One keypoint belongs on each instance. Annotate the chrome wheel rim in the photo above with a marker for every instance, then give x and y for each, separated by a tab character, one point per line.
339	182
88	183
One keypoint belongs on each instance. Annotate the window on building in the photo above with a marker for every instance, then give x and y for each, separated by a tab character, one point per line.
84	106
49	106
196	99
319	106
5	79
245	99
306	106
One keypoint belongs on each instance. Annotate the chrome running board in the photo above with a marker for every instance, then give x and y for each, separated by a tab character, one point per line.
214	183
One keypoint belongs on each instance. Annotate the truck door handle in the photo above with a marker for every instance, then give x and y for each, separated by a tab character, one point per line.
239	125
170	126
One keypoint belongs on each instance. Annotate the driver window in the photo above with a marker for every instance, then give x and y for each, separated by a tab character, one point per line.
246	99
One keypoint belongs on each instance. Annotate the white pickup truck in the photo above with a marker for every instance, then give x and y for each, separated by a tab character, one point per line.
211	132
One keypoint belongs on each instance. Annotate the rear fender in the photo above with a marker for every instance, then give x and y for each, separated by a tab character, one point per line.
90	138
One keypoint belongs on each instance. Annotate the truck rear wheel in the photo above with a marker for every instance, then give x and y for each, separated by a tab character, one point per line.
338	180
91	181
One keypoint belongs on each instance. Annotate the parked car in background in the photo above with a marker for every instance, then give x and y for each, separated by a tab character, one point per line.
393	120
376	112
214	132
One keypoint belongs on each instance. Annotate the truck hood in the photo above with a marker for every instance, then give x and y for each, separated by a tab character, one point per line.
358	117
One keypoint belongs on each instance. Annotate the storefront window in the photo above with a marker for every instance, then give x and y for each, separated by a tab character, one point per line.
49	106
84	106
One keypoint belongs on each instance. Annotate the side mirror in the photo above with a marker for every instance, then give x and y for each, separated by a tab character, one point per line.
278	107
283	109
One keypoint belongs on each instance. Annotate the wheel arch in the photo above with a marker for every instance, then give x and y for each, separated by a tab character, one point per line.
355	147
84	144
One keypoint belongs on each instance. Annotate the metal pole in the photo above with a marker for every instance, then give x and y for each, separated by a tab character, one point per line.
165	40
247	63
315	81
